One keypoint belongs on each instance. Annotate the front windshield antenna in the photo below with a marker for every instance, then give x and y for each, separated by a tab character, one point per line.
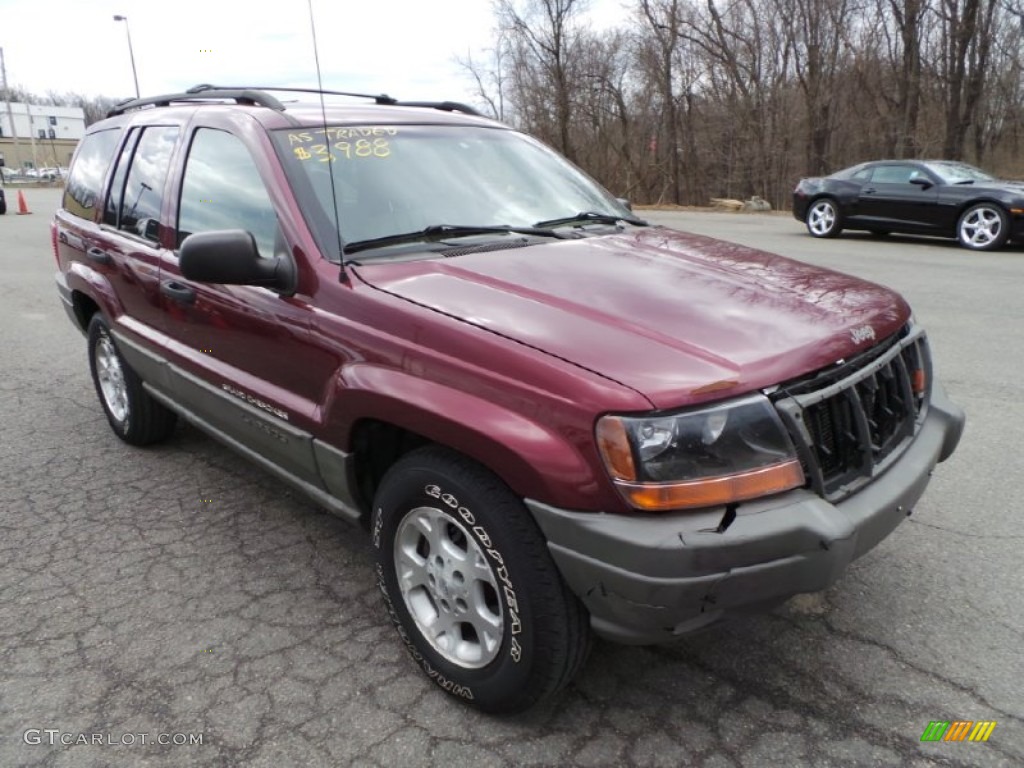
342	275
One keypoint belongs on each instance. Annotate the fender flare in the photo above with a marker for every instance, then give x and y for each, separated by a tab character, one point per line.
82	279
533	459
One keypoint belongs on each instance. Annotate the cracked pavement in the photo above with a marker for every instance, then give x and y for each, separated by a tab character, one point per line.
181	590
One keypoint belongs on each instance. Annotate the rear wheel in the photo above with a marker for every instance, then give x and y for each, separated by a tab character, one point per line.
134	416
983	227
470	586
823	218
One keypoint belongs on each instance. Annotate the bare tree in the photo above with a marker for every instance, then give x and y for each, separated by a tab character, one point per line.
663	18
705	98
544	37
967	27
490	77
817	34
909	16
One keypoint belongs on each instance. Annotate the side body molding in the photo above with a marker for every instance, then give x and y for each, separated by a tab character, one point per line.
311	466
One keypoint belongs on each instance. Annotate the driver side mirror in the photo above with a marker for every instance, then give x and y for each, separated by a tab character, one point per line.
920	181
230	257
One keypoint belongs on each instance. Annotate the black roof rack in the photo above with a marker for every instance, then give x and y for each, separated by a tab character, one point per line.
258	96
247	96
447	106
379	98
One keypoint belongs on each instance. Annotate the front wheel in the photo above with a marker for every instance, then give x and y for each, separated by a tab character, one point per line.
470	586
983	227
824	219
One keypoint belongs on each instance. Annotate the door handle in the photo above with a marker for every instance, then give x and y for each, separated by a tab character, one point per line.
870	191
178	292
98	255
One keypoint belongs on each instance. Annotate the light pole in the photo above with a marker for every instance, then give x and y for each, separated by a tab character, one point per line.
119	17
10	113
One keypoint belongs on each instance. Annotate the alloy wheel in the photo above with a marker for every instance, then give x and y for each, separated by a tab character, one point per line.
822	218
981	227
449	588
111	378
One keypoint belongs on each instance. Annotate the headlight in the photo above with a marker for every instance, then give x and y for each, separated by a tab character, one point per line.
698	458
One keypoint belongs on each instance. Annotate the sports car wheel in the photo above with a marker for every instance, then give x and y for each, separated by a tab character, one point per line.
470	586
983	227
824	219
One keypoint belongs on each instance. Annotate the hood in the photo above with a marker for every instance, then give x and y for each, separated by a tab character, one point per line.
1003	185
679	318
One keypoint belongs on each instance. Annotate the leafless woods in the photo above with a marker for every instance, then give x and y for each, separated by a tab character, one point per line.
685	100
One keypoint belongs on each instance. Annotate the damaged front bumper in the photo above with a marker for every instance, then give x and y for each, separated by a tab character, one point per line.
647	579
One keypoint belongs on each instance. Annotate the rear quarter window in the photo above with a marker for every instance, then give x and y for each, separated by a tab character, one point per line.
85	179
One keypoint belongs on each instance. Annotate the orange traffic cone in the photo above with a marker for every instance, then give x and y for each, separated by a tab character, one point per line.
22	205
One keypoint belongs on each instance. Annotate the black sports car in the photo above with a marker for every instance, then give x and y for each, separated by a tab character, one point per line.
923	197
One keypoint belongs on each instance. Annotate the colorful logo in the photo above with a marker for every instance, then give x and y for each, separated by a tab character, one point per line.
958	730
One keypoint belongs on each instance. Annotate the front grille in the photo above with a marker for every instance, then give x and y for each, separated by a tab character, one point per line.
851	421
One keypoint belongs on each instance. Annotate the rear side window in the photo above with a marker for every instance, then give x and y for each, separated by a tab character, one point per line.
112	210
85	180
222	189
144	188
893	174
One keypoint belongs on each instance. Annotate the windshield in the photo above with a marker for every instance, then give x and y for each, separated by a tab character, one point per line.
956	173
404	178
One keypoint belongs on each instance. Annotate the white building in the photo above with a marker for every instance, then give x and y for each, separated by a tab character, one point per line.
38	121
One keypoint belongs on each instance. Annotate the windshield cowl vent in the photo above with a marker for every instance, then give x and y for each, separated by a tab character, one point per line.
483	248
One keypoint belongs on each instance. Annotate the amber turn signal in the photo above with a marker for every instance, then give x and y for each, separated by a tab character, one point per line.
918	382
662	497
613	442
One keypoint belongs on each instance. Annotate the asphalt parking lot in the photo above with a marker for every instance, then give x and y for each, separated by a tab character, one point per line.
181	592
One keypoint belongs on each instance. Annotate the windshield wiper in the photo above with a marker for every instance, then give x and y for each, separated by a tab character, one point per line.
591	217
964	181
444	231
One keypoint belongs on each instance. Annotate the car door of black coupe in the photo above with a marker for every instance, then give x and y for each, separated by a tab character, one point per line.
899	197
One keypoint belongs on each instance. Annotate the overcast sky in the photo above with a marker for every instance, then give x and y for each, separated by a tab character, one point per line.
405	48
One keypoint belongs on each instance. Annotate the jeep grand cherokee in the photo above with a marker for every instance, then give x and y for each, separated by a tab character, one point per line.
552	418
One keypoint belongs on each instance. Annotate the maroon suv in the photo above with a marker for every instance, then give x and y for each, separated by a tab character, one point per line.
553	418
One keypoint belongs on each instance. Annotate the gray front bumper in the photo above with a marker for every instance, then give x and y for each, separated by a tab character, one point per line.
648	578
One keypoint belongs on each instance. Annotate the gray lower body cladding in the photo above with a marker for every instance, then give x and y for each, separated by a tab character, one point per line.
649	578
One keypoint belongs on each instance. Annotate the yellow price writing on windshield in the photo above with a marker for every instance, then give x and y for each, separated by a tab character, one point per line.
364	148
338	133
316	151
346	150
